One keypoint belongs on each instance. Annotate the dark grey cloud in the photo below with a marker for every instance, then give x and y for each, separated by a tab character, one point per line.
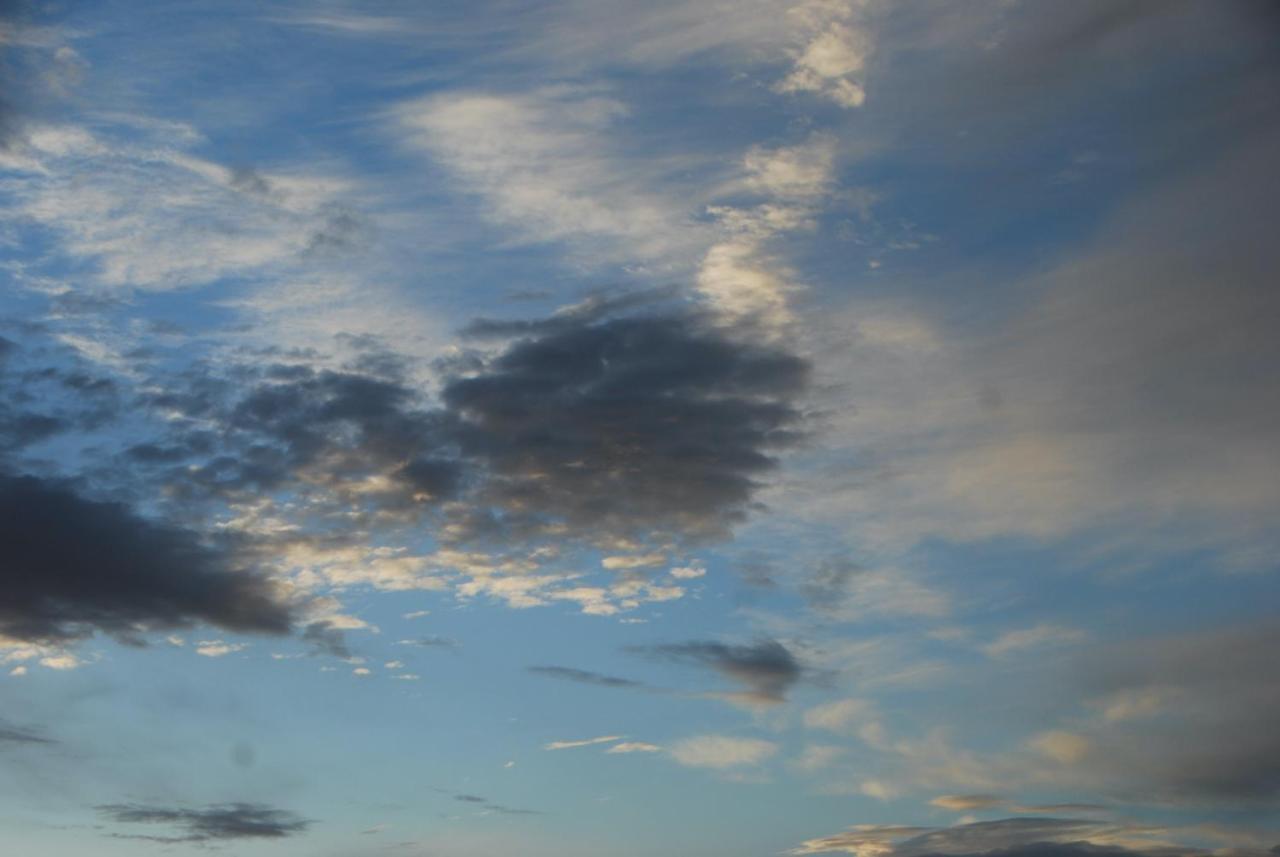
72	565
218	823
627	427
325	638
289	425
586	426
584	677
766	667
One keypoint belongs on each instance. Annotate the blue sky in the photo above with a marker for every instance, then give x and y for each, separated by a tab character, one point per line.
686	427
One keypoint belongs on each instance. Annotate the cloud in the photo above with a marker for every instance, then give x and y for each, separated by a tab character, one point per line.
15	735
569	745
722	752
324	637
634	747
627	428
584	676
618	430
1009	837
1126	399
816	757
843	590
967	803
217	823
1183	716
545	165
74	565
489	806
767	668
148	215
833	56
218	648
842	715
1043	634
432	642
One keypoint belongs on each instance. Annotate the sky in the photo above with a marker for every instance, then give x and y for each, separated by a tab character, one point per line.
724	428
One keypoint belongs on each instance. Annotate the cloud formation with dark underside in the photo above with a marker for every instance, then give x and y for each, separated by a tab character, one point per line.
627	427
585	677
73	565
1019	837
587	425
766	668
217	823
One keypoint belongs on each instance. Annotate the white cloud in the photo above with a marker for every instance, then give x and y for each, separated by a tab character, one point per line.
545	165
614	563
834	53
722	751
568	745
634	747
218	648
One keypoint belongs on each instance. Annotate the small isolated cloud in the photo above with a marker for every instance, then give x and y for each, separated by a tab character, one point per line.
966	803
324	637
616	563
218	648
721	752
767	668
634	747
218	823
431	642
568	745
584	676
487	806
